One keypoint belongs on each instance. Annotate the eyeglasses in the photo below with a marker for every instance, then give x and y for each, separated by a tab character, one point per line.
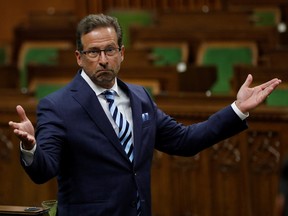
110	51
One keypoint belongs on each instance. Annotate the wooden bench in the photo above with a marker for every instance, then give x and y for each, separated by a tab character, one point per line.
264	38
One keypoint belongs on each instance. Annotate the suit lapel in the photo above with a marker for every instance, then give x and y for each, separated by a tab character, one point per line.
136	107
137	125
92	106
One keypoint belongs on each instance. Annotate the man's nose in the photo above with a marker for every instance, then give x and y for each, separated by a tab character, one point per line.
103	60
103	55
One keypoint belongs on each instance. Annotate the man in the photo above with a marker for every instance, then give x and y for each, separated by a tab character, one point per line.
77	139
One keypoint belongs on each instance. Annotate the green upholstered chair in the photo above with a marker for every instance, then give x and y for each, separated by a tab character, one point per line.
165	53
279	97
127	18
269	16
224	55
45	53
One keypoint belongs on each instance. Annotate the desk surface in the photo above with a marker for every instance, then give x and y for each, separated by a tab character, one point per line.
6	210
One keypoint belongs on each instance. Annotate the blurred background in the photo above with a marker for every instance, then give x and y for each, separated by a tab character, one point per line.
192	56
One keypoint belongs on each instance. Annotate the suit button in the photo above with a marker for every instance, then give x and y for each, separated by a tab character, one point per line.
133	204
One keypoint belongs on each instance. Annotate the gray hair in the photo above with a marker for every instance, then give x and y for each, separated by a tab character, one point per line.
93	21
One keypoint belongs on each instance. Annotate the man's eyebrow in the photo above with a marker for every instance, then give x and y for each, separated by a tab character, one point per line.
107	46
93	48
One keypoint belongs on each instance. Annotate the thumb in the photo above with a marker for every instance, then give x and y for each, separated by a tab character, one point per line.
21	113
248	81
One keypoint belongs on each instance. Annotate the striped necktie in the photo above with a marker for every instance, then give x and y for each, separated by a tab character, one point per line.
125	132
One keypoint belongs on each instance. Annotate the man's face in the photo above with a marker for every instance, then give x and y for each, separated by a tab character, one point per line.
101	67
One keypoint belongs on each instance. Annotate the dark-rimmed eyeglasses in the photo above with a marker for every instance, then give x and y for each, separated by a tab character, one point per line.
110	51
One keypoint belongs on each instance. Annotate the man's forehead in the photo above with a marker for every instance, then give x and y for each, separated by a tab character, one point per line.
100	36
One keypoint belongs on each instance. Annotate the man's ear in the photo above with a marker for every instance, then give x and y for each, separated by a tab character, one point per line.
122	52
78	58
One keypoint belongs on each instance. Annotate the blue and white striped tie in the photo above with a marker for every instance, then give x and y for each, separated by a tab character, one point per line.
125	132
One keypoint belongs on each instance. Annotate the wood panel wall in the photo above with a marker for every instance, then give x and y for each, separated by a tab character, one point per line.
159	5
238	176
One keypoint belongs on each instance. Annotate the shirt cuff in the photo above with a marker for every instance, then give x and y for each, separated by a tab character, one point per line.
241	115
27	155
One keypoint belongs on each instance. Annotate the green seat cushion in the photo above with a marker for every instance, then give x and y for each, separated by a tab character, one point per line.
46	56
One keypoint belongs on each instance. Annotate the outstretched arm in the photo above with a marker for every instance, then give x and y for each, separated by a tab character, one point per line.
24	129
249	98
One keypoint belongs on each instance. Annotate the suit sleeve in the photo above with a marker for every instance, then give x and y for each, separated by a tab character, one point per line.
177	139
50	133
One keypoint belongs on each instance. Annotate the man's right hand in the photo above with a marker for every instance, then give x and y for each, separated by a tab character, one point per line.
24	129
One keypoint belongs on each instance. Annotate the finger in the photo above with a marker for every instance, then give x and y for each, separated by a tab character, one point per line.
21	113
271	83
13	125
23	136
248	81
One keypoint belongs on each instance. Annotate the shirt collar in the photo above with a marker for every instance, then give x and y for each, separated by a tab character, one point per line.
97	89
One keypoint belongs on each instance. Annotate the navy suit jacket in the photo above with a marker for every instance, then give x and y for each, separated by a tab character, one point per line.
76	143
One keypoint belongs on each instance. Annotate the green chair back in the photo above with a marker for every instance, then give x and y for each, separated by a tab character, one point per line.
279	97
41	53
224	58
266	17
166	56
46	56
127	18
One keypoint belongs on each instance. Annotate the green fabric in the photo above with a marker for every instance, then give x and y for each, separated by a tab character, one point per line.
167	56
224	59
265	18
43	90
279	97
46	56
129	18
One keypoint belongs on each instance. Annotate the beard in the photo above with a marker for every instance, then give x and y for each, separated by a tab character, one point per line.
104	78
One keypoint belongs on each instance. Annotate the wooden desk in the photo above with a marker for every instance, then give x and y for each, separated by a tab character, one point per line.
6	210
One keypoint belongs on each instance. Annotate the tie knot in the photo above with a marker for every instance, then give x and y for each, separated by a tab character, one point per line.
109	95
